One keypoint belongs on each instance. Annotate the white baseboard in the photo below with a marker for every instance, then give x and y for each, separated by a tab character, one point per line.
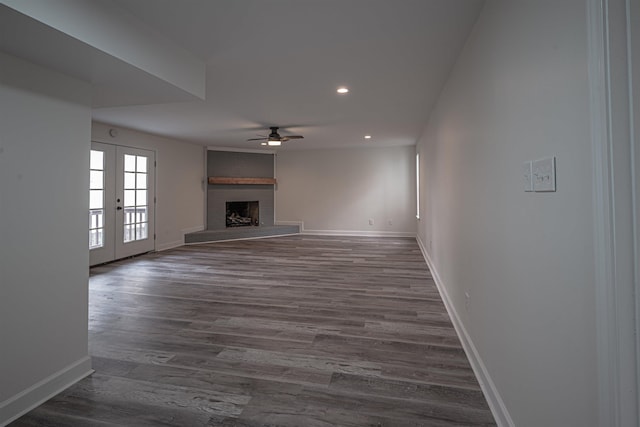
496	404
298	223
169	245
357	233
192	230
18	405
351	233
177	243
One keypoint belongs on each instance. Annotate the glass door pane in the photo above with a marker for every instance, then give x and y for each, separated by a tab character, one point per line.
102	187
96	200
135	180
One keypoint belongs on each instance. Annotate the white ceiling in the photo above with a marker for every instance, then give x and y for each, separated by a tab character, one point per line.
279	63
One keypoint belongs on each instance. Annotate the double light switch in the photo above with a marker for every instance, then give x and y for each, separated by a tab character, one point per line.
539	175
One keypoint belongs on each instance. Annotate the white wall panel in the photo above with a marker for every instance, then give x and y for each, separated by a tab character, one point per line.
45	136
340	190
519	92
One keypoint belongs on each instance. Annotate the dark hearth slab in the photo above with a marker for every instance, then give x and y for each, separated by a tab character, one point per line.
236	233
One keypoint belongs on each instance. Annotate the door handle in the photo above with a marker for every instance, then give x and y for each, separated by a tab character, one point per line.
119	208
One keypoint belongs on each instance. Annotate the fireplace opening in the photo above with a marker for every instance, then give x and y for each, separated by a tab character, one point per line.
243	214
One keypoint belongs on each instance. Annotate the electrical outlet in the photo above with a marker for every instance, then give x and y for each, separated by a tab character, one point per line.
527	176
544	174
370	221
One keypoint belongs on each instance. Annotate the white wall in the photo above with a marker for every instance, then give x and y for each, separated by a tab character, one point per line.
337	191
518	92
179	181
44	152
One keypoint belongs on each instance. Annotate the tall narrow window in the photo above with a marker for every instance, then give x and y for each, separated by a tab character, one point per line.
418	185
136	222
96	199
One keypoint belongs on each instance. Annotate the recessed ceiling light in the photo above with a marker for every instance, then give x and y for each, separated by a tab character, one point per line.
342	90
263	143
367	137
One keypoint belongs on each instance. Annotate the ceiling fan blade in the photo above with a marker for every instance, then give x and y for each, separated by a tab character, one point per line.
274	136
288	137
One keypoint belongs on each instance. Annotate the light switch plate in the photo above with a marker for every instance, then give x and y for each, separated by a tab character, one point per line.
527	176
544	174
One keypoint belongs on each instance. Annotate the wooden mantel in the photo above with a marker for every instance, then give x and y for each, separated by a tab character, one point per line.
232	180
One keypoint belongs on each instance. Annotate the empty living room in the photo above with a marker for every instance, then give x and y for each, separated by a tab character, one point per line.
319	213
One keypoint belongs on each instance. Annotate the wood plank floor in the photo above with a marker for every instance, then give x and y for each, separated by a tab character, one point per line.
290	331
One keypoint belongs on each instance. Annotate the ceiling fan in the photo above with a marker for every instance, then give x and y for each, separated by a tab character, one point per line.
274	139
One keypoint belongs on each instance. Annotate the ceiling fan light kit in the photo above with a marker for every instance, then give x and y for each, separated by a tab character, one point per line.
274	139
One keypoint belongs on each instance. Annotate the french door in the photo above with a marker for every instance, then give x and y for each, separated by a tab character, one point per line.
121	202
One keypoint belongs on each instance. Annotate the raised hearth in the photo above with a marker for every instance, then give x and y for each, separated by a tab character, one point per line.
238	233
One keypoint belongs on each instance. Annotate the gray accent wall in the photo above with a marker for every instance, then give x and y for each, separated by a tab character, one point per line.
239	165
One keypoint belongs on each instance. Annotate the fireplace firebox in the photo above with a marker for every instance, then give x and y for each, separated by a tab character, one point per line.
243	214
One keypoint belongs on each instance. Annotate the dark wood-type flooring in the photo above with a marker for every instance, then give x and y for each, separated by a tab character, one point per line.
290	331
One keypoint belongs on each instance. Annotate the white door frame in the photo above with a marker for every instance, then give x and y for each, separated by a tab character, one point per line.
614	82
114	247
